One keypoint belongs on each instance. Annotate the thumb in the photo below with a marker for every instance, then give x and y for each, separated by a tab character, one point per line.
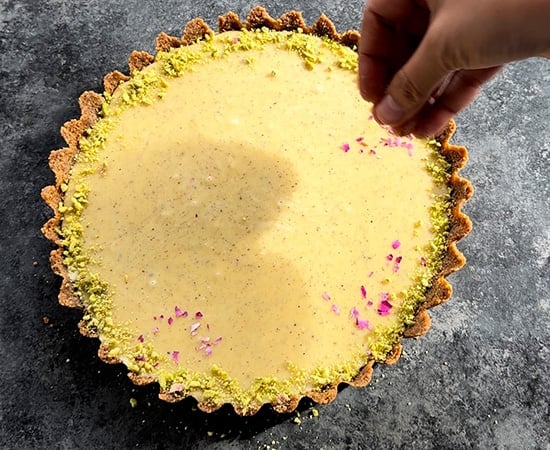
412	86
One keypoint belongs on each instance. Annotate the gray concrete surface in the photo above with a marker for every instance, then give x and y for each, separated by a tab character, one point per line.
479	379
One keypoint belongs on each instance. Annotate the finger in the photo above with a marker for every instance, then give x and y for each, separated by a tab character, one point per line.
374	52
460	92
412	85
383	48
394	11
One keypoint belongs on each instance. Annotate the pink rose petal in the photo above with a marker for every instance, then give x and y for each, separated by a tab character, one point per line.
175	356
179	313
335	309
354	313
195	327
396	244
363	292
326	296
345	147
362	324
384	308
170	321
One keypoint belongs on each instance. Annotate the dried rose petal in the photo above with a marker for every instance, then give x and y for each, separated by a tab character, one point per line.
140	358
140	338
362	324
384	308
345	147
198	315
208	350
326	296
396	244
354	313
335	309
179	313
363	292
170	321
217	341
175	356
195	327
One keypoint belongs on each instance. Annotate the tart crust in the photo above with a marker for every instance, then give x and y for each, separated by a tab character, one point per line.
61	161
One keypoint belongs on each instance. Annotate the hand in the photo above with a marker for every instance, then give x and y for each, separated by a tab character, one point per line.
422	61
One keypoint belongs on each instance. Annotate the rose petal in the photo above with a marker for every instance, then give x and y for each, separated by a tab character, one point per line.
175	356
362	324
179	313
384	308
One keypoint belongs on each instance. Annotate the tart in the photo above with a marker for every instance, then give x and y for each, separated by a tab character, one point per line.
237	228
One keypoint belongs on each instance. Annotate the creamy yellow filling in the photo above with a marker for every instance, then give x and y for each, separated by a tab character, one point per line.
240	229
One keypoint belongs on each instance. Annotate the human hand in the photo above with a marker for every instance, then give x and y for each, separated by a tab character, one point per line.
422	61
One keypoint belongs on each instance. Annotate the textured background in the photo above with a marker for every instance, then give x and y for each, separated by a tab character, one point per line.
479	379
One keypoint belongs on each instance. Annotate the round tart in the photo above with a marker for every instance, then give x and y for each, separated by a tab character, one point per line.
235	225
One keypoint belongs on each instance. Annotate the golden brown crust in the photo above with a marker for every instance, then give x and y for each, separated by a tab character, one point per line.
195	29
112	80
60	162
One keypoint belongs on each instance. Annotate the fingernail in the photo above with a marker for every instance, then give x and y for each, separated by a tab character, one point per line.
388	111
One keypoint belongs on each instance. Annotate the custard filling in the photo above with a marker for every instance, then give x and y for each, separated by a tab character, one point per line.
238	226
